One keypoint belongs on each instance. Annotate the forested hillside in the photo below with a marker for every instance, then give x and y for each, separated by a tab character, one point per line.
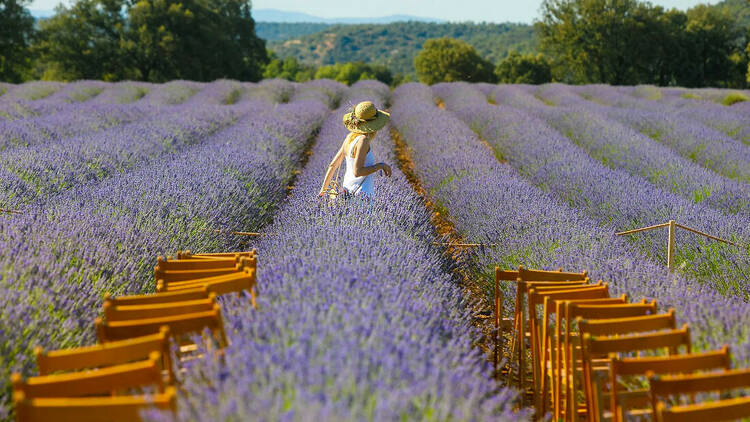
395	45
278	31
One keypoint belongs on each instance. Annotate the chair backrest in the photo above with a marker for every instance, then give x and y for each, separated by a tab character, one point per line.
91	409
158	298
670	339
179	325
600	311
162	286
190	255
537	295
541	275
106	354
704	382
716	411
128	312
169	276
100	381
690	362
720	410
194	264
236	283
617	326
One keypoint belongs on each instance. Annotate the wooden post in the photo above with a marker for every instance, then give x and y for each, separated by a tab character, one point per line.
670	246
497	321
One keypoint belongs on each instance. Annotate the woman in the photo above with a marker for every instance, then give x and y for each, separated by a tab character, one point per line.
363	123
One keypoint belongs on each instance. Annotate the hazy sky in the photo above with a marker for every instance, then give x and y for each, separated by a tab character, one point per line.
452	10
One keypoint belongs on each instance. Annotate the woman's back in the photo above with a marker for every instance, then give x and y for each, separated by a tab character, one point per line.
352	184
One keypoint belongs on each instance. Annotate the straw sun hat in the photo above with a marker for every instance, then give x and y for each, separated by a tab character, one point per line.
365	118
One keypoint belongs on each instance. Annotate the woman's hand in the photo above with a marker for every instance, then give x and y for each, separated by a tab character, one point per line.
386	169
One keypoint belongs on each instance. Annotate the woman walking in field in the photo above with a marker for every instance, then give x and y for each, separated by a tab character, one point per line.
363	123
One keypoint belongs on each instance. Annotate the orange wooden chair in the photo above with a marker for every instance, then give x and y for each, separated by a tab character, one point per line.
594	371
195	264
91	409
174	275
539	348
551	358
708	411
571	346
525	279
106	354
626	403
179	326
101	381
245	280
158	298
129	312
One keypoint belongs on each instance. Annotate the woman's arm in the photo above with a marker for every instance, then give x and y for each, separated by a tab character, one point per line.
359	169
335	163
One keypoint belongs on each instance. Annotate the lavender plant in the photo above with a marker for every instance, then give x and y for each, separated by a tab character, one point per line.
356	319
616	199
103	235
490	202
619	146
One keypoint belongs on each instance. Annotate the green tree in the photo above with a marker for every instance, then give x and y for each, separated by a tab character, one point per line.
352	72
289	68
200	40
449	60
597	40
714	46
16	32
524	69
83	42
153	40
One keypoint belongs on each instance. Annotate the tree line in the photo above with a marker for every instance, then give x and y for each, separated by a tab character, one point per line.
618	42
580	41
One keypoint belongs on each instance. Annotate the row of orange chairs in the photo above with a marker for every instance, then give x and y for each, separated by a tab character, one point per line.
135	334
588	356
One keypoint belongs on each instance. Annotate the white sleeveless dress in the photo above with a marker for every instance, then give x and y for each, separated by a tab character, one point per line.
361	184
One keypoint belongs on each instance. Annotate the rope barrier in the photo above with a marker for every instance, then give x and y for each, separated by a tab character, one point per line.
704	234
642	229
238	233
467	245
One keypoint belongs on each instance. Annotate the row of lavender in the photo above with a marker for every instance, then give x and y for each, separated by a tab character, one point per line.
356	319
489	201
620	146
686	130
99	234
616	199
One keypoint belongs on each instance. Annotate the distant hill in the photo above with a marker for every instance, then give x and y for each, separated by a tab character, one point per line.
280	31
396	44
274	15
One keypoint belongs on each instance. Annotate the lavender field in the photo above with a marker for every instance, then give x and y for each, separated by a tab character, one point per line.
361	315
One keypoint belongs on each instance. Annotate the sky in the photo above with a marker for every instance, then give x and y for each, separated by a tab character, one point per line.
451	10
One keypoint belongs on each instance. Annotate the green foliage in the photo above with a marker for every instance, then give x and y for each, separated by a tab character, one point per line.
396	44
16	32
352	72
449	60
290	69
631	41
153	40
524	69
83	42
712	38
733	98
280	31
